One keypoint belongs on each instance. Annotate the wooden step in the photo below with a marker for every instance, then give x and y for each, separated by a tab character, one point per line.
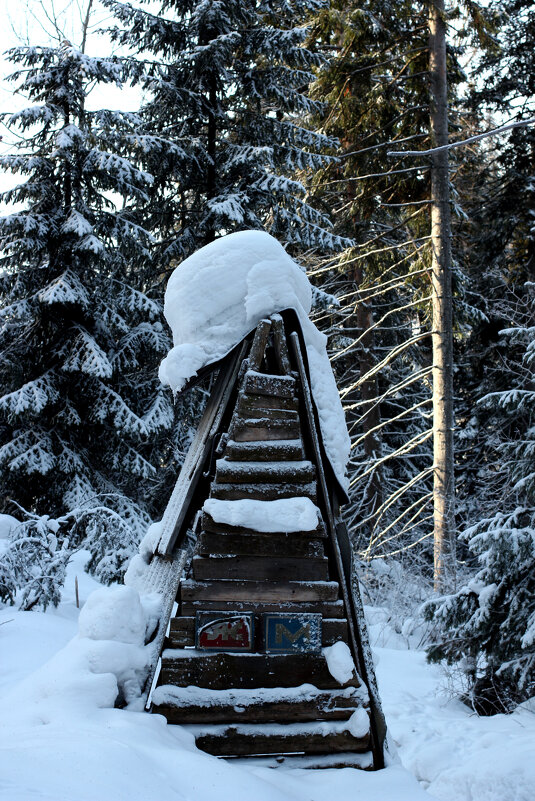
267	413
182	631
226	670
281	386
260	568
305	703
231	472
259	545
250	403
265	450
343	759
208	524
275	738
272	591
329	609
262	428
263	492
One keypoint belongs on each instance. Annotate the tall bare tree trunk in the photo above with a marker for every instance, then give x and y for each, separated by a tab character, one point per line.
444	489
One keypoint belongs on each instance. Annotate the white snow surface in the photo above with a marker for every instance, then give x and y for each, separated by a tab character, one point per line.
62	740
339	662
285	514
218	295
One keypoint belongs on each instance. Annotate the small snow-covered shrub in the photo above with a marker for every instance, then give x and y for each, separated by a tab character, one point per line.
487	628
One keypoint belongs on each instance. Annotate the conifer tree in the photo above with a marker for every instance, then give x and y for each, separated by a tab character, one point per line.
81	413
227	84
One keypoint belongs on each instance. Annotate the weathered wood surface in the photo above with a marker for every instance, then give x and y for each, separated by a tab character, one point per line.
178	507
182	631
234	472
273	738
258	590
258	568
267	413
253	706
270	451
262	428
250	404
256	354
208	524
279	342
259	545
282	386
330	609
226	670
263	492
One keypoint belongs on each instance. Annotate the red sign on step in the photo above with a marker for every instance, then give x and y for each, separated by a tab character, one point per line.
224	631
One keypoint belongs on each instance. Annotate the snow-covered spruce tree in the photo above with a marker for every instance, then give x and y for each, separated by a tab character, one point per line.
488	626
82	417
228	86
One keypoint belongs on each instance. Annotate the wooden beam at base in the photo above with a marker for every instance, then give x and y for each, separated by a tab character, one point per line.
273	591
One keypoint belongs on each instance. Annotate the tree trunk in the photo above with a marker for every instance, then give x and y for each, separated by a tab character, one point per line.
444	508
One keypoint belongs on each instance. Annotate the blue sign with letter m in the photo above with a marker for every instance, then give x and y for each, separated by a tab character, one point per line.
287	633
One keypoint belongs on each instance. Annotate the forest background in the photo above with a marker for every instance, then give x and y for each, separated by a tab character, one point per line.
280	115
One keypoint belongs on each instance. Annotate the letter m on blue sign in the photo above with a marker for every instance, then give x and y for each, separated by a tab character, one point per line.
286	634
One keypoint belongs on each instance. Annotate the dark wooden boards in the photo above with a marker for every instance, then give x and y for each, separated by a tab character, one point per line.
282	386
263	492
260	568
271	450
273	591
182	631
234	472
273	738
227	670
257	706
259	545
264	428
331	609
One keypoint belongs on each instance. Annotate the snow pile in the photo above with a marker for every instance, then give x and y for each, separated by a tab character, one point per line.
285	514
339	662
220	293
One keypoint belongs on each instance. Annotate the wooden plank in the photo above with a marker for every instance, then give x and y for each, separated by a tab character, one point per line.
262	428
329	609
258	347
276	738
258	568
234	472
361	654
269	451
207	524
181	705
344	759
263	492
267	414
182	631
254	402
258	590
227	670
282	386
279	342
259	545
178	507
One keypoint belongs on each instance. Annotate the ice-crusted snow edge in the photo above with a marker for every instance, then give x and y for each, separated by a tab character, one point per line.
287	515
218	295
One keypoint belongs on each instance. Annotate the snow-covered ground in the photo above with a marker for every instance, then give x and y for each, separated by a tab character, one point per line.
58	741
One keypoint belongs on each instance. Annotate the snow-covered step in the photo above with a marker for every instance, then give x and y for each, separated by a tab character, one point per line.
273	591
260	568
282	386
223	670
182	631
231	472
279	738
217	527
265	450
252	429
260	705
249	403
342	759
264	492
330	609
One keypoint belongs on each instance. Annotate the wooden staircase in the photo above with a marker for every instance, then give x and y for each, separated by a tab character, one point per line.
257	703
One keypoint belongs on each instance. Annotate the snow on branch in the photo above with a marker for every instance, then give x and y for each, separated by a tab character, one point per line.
508	127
